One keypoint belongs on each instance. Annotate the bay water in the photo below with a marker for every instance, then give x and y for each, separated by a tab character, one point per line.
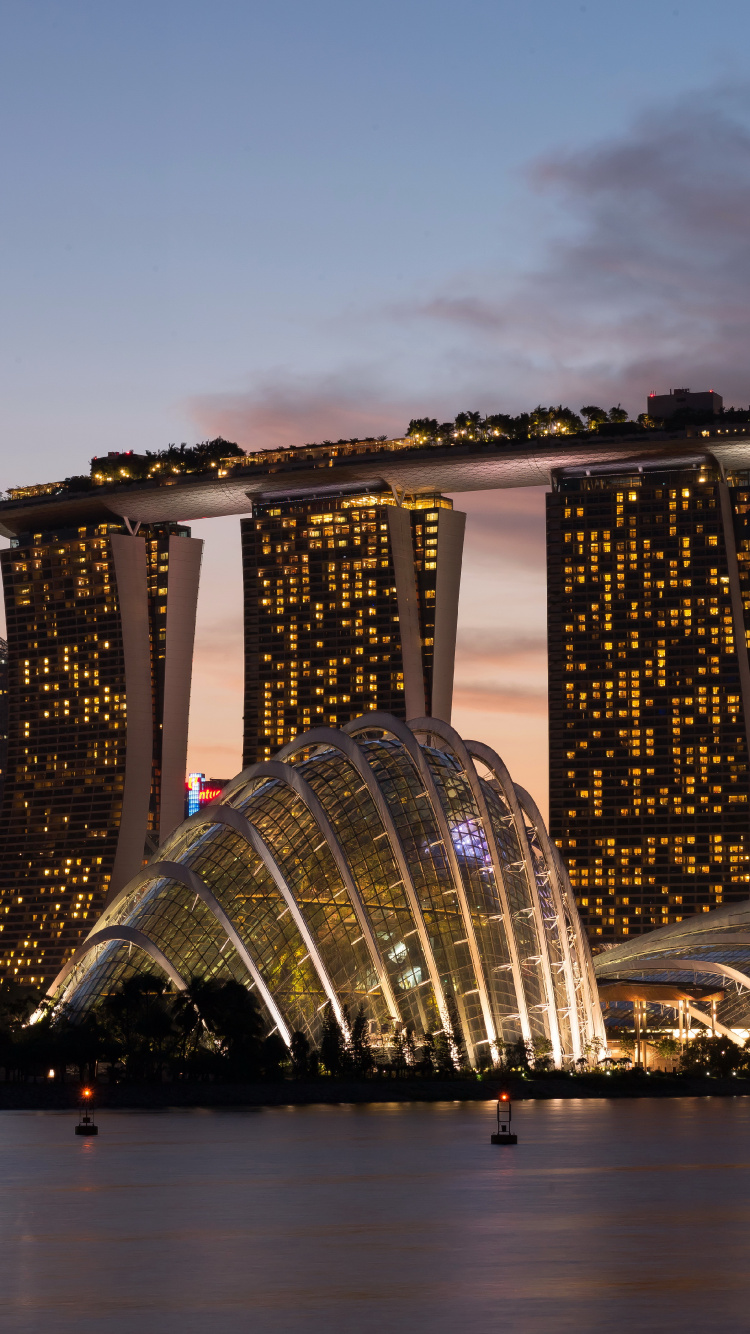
609	1215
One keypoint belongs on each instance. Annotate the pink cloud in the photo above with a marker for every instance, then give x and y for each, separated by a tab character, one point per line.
504	528
295	410
499	649
499	699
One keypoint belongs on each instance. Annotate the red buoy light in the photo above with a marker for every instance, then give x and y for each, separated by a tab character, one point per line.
86	1121
504	1134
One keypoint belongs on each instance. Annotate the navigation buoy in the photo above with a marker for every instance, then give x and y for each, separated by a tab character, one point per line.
86	1123
504	1135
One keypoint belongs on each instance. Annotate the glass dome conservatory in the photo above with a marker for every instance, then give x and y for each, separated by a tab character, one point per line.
390	867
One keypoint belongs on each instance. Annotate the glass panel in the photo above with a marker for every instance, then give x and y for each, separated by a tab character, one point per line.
103	971
361	834
185	929
307	864
513	867
415	821
552	937
248	894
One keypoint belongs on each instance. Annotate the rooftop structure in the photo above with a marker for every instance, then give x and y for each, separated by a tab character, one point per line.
663	406
408	466
703	961
389	868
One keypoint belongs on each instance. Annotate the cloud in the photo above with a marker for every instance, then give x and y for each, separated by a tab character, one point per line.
646	282
643	282
500	649
504	529
499	699
498	671
469	310
288	409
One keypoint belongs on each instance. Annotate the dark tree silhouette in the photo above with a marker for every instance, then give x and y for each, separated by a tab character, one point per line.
361	1051
300	1054
332	1044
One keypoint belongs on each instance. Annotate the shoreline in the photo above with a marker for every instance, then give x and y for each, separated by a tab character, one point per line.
50	1096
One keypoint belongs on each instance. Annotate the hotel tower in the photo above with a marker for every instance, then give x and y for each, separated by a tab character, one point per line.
649	688
351	603
101	621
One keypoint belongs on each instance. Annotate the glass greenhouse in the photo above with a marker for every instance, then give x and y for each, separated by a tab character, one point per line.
386	867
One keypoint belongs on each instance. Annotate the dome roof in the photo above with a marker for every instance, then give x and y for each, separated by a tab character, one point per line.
386	867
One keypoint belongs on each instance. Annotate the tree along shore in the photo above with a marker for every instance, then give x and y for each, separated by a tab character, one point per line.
213	1036
215	1032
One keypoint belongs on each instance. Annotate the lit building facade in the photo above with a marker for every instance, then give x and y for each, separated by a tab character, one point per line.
649	691
389	869
3	714
351	604
199	791
339	597
100	639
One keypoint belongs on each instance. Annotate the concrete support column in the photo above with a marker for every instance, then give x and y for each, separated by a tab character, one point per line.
129	559
402	547
451	527
738	612
182	601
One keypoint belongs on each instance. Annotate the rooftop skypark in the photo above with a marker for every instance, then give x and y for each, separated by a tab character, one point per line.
221	457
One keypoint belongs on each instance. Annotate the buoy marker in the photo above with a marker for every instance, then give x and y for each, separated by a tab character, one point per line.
504	1134
86	1123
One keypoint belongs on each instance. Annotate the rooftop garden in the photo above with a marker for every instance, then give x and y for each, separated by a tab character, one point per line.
221	457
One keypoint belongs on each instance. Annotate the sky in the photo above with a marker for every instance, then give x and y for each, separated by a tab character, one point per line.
291	221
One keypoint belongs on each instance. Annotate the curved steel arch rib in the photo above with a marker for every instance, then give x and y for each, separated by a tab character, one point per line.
529	808
678	963
557	878
385	723
192	881
496	767
346	746
287	774
126	934
449	735
463	755
234	819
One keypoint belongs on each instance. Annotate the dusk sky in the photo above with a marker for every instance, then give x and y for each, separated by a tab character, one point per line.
304	220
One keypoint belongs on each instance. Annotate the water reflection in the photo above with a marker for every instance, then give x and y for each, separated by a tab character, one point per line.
607	1216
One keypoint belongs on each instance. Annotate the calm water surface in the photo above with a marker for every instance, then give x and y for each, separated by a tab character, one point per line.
608	1216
